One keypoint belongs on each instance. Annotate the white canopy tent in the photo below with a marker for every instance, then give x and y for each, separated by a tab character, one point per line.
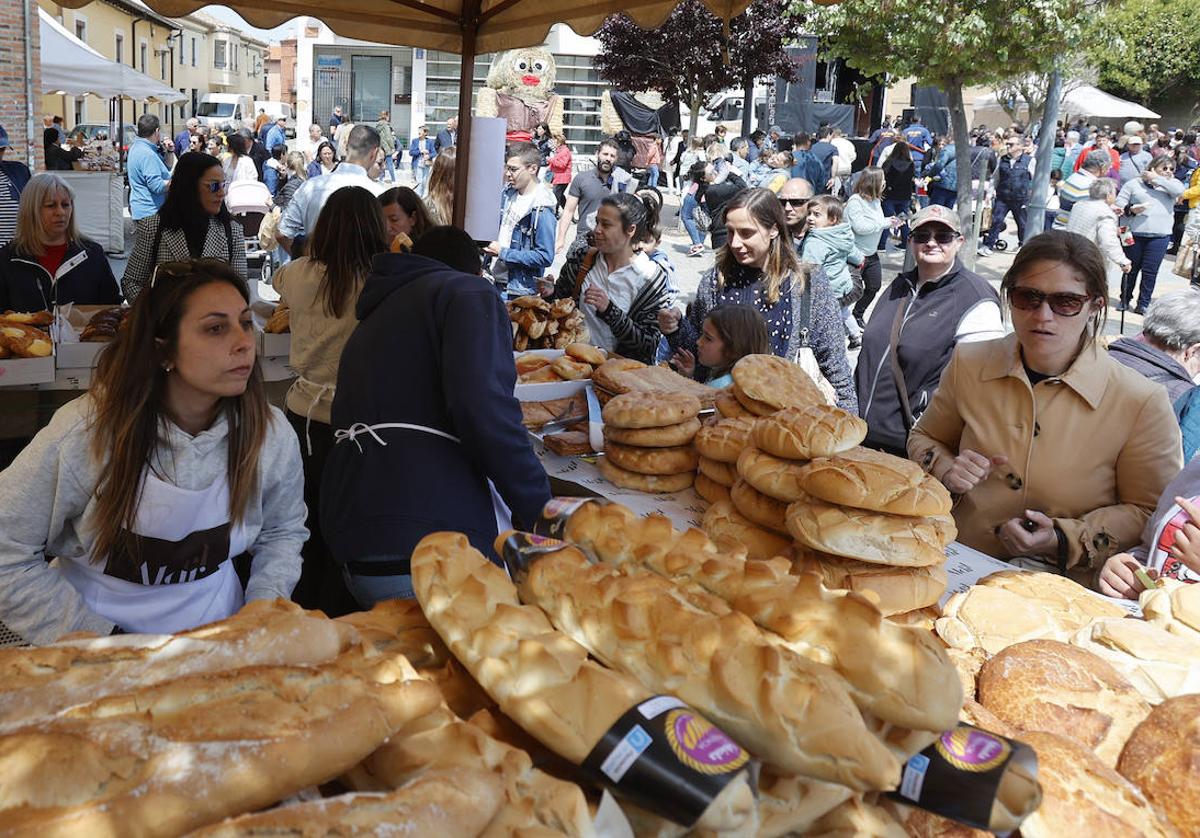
1085	100
72	68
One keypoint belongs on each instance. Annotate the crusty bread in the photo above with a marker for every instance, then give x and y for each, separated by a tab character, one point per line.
857	818
758	508
1071	604
1083	796
650	483
752	406
1157	662
674	460
454	802
778	383
868	479
645	410
775	478
790	805
894	590
724	441
179	755
815	430
568	443
918	823
529	361
38	683
729	407
570	369
870	536
621	376
710	490
587	353
1160	758
1173	606
664	437
726	526
968	663
722	473
1058	688
794	713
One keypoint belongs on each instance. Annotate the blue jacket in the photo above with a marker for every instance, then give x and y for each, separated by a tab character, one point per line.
414	148
947	168
807	166
18	175
1013	179
148	179
531	249
1187	410
276	136
834	249
85	277
433	348
919	140
182	141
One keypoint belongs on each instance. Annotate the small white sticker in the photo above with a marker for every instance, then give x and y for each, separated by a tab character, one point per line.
914	777
657	706
625	754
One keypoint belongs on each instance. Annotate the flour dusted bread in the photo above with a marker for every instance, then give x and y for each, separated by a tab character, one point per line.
454	802
37	683
650	483
1081	796
176	756
1058	688
1160	758
869	536
774	477
868	479
775	382
858	818
1173	606
814	430
1159	663
725	525
894	590
724	441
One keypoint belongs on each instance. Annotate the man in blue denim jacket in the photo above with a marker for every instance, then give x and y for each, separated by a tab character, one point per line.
524	248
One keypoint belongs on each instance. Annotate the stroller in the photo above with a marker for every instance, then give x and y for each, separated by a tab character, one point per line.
249	201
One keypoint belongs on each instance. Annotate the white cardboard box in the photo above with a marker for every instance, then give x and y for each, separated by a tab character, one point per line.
548	390
274	346
79	354
19	371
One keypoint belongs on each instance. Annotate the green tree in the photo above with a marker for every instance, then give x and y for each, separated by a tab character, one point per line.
1148	50
950	44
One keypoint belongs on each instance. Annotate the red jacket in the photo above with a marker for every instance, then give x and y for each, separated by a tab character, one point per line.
560	165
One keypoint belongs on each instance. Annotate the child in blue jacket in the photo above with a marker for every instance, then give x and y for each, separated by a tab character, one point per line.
830	244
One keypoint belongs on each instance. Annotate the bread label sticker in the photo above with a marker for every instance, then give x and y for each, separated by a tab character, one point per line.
522	549
657	706
557	512
969	749
702	746
625	754
914	777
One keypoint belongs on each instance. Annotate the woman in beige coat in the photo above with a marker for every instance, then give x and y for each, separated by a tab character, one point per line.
1056	453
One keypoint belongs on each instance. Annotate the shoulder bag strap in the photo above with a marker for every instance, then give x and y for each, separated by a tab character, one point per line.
897	372
589	259
805	312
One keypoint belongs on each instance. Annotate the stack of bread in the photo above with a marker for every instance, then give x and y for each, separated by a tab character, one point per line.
625	375
575	364
648	441
540	324
23	335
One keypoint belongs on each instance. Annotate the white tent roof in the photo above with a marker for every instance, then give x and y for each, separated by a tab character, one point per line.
1086	100
71	67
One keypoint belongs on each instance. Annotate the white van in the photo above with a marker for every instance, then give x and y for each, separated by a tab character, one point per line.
275	110
725	108
218	110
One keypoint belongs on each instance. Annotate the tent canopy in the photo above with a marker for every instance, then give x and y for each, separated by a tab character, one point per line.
71	67
1086	100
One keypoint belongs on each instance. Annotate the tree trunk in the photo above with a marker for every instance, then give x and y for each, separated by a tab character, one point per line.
1035	215
962	164
747	105
694	118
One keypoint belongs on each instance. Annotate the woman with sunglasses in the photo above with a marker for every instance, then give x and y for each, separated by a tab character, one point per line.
192	223
1057	452
915	325
147	488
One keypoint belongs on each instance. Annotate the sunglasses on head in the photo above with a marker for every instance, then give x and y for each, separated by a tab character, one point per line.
795	202
1030	299
941	236
215	186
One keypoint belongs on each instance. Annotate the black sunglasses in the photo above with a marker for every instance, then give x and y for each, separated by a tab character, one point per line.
1063	304
941	236
795	202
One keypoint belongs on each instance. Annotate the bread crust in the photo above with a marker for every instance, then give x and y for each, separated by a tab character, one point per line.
894	590
587	353
653	484
868	479
710	490
869	536
655	461
723	474
570	369
775	382
815	430
729	528
665	437
1160	758
775	478
725	440
758	508
728	405
650	410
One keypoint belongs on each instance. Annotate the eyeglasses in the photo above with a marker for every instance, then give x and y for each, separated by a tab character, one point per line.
215	186
795	202
941	236
1063	304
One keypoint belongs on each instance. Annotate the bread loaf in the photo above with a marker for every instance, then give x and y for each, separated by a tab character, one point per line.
1058	688
620	376
176	756
1158	663
758	508
587	353
38	683
656	461
815	430
664	437
711	490
894	590
752	406
790	711
729	407
456	802
540	677
728	527
919	823
1160	758
774	381
724	441
646	410
569	369
858	818
790	805
650	483
717	471
1173	606
868	479
776	478
1083	796
870	536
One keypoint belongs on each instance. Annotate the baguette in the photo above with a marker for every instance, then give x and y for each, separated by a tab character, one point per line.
540	677
456	802
177	756
38	683
792	712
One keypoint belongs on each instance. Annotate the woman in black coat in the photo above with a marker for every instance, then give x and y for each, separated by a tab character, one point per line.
898	186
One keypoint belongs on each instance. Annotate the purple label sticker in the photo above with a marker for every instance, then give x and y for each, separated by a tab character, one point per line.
969	749
701	746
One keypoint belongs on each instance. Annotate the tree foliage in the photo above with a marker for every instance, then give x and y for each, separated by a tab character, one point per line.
1028	91
1147	50
688	58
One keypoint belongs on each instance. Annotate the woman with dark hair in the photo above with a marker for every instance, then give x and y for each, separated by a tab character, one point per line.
1058	452
192	223
324	160
240	165
759	267
58	160
146	488
321	291
404	214
898	177
619	289
541	139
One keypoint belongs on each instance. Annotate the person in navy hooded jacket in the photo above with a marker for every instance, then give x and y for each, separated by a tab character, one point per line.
524	248
428	430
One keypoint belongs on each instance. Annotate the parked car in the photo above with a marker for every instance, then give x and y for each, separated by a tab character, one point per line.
92	131
276	109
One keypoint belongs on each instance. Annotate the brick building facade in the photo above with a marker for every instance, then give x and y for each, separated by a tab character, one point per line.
15	15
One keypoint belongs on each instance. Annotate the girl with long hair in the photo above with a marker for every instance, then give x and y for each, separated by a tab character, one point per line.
148	487
321	291
759	267
728	334
240	166
439	194
864	212
192	223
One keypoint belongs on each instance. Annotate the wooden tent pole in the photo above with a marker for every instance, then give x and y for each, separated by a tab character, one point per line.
466	83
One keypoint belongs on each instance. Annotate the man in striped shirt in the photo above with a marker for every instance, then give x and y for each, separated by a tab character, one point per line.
13	177
1075	188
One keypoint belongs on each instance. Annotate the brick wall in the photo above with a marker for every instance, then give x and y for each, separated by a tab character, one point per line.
13	99
287	50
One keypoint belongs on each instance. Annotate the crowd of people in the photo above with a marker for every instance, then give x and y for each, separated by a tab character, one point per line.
173	490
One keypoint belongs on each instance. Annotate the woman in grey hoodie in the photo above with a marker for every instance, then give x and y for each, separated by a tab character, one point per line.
1148	205
144	490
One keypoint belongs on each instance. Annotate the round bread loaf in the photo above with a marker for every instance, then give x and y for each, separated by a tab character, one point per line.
869	536
775	382
725	440
895	590
649	483
720	473
570	369
650	410
1081	796
673	460
751	405
775	478
815	430
758	508
711	490
671	435
587	353
729	528
1160	758
602	375
729	407
1059	688
868	479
